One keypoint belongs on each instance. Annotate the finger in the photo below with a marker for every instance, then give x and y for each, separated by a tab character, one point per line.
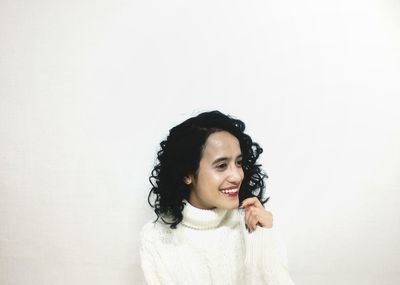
249	213
265	218
246	217
244	203
251	201
253	221
252	217
248	201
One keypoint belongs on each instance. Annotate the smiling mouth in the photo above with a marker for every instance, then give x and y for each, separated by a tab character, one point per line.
230	192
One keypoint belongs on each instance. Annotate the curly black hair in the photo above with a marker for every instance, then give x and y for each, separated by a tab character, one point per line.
180	156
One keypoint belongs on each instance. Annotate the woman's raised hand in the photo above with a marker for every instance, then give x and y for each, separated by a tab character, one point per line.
255	214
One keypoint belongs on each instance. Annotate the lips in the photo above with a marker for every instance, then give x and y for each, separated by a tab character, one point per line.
230	187
231	190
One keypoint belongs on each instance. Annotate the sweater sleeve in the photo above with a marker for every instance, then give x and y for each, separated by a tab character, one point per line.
265	258
155	273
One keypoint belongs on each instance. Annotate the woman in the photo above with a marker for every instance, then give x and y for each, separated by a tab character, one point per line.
207	193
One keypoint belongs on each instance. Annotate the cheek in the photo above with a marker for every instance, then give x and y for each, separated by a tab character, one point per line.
208	179
214	180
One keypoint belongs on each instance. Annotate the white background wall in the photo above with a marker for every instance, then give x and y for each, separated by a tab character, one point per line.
89	88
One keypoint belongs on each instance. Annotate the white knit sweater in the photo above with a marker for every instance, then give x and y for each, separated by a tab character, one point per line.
211	247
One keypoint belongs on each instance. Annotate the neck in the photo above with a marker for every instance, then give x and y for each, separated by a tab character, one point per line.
202	219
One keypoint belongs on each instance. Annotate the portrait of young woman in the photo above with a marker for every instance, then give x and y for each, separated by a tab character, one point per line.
208	193
136	138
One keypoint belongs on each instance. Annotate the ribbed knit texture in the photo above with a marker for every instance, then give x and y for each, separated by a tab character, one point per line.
211	247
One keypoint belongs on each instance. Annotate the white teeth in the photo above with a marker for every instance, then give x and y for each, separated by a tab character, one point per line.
229	191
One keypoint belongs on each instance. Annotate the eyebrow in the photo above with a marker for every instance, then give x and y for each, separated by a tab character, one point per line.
226	158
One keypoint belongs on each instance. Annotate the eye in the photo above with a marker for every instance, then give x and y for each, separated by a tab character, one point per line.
221	166
239	163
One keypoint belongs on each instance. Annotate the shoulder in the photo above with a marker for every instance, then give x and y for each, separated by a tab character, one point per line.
148	230
154	232
151	229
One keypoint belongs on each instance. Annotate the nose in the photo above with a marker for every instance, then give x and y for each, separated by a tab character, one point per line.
235	174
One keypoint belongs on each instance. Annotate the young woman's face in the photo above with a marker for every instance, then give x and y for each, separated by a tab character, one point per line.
220	173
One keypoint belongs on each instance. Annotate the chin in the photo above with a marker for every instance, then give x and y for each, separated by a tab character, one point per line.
228	202
229	205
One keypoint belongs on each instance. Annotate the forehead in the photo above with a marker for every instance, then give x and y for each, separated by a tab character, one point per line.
220	144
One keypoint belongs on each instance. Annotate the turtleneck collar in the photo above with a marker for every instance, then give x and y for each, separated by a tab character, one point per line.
202	219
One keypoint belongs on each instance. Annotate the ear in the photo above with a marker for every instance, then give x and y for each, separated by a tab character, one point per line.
187	180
